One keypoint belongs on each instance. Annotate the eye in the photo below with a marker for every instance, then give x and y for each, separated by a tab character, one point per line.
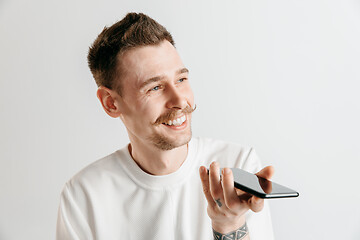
181	80
155	88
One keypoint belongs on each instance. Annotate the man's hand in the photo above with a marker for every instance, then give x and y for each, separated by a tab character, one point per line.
227	205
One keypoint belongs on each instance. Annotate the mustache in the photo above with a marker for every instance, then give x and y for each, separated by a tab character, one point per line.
172	114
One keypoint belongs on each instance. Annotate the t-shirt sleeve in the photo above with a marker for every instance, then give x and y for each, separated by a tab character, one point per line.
259	224
71	223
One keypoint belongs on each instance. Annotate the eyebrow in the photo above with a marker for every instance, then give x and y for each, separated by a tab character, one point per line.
158	78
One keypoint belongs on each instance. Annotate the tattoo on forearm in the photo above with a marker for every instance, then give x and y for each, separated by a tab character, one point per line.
235	235
218	202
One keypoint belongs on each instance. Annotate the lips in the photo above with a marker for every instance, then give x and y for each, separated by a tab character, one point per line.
176	122
175	117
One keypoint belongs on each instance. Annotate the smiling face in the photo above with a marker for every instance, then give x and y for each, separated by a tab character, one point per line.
157	99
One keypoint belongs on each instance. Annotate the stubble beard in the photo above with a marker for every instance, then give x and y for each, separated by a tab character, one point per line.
165	143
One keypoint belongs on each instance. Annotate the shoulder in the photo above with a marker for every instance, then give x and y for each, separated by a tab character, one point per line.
96	169
97	174
228	154
101	180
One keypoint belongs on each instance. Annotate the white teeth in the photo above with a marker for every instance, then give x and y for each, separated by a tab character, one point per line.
177	122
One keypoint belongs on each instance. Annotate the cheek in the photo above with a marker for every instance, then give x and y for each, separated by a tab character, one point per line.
139	119
148	110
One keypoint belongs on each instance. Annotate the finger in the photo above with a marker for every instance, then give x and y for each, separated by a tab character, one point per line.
266	172
215	185
256	204
230	196
265	185
205	184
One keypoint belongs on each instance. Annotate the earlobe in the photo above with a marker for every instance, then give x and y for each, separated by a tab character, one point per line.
108	100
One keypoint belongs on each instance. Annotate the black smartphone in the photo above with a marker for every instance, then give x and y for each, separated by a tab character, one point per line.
260	187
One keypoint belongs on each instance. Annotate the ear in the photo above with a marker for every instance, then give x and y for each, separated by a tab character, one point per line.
109	100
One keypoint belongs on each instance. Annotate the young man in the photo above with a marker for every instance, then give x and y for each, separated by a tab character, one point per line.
151	189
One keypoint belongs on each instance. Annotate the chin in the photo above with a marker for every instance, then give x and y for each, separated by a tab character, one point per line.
166	144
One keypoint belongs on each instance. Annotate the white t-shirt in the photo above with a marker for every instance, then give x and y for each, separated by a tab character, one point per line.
114	199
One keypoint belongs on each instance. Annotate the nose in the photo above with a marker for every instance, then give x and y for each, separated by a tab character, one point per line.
176	98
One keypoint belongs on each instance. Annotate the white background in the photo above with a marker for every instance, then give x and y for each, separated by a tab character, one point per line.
281	75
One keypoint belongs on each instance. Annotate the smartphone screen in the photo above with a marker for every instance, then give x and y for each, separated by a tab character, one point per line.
259	186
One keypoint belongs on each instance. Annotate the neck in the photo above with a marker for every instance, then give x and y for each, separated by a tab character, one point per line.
158	162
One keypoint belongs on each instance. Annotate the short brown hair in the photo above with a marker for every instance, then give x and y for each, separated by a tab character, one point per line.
134	30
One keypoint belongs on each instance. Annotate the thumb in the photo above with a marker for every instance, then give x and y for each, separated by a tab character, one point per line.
266	172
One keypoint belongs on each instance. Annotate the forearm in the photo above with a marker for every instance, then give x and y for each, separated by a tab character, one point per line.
241	233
